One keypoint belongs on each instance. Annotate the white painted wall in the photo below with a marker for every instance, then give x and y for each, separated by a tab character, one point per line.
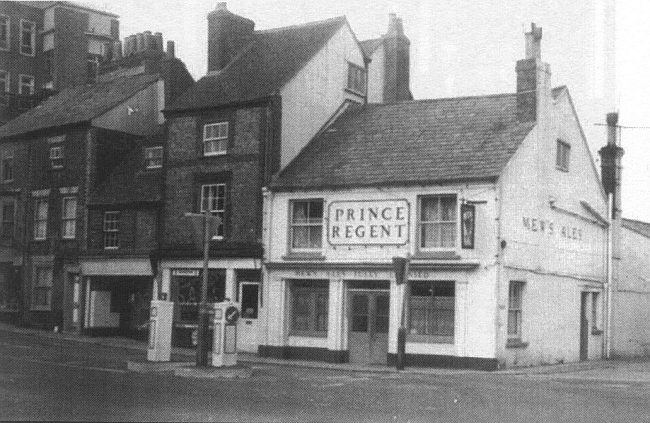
100	311
317	91
376	71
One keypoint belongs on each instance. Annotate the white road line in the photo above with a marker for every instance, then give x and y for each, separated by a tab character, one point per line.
99	369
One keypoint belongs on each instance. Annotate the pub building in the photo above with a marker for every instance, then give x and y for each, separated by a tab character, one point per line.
496	201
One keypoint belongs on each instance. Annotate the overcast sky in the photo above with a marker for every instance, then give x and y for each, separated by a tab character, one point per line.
469	47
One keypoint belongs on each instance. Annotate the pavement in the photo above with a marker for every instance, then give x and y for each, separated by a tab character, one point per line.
635	370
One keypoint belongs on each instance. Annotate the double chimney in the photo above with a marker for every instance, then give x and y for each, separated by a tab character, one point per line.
138	43
227	35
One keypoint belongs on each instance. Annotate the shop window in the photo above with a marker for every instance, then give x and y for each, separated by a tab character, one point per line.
40	218
306	232
25	85
309	308
69	217
27	38
186	291
153	157
432	311
111	229
8	219
438	223
42	291
215	138
213	199
8	168
5	29
357	79
514	310
562	155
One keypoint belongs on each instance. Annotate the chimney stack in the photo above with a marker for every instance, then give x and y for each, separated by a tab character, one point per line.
533	79
171	49
158	41
148	43
227	35
610	163
139	42
396	62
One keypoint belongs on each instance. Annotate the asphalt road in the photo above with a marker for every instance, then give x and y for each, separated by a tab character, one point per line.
54	379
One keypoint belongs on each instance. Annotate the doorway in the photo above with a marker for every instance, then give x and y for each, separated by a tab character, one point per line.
247	325
584	327
368	326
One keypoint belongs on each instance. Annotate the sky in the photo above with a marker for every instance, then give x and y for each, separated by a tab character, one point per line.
597	48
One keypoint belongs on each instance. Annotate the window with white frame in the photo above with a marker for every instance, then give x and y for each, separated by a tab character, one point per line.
213	199
56	156
431	310
27	38
8	168
562	155
5	28
356	78
306	231
8	219
25	85
215	138
438	223
42	288
309	307
111	229
69	218
515	296
40	218
4	81
153	157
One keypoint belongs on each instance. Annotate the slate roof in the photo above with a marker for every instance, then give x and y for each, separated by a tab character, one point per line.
369	46
76	105
130	182
271	59
413	142
642	228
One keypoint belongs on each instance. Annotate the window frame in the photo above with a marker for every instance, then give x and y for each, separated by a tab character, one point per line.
421	223
430	338
37	284
94	61
6	47
355	70
38	221
31	86
218	139
309	225
313	290
113	230
68	219
596	313
562	155
32	41
8	158
5	222
148	160
221	229
517	335
56	161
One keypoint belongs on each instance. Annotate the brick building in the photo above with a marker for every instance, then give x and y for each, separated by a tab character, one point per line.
266	93
67	147
47	46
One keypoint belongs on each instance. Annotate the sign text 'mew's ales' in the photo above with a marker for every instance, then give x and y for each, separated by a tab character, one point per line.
373	222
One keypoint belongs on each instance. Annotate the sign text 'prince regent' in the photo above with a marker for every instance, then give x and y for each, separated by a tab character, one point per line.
372	222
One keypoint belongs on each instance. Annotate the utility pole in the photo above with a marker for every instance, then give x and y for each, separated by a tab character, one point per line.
401	268
204	314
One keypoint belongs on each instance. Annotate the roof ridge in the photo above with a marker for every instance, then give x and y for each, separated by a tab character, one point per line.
431	100
306	24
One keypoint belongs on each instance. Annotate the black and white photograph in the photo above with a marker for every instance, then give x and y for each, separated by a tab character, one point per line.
332	211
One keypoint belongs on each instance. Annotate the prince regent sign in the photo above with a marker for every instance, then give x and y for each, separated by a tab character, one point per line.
380	222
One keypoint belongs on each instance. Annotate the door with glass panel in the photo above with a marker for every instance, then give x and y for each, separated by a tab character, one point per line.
247	325
368	329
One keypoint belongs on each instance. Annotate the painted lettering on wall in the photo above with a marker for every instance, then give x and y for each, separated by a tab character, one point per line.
551	228
380	222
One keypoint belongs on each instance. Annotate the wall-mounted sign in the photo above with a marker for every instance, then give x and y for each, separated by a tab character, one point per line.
372	222
551	228
468	219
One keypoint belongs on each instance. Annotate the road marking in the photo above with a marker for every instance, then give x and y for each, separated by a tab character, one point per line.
100	369
15	345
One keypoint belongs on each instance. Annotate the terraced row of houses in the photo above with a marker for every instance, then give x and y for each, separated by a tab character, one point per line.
309	146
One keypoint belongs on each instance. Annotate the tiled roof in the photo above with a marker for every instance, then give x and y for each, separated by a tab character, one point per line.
369	46
642	228
77	104
424	141
263	67
130	182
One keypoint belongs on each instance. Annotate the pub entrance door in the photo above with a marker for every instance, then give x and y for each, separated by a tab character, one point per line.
368	325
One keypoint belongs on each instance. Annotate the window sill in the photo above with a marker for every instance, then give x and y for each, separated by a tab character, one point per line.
355	92
562	169
309	334
595	331
516	343
430	339
304	256
214	154
436	255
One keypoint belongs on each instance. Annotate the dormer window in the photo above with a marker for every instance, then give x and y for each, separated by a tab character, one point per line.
562	155
153	157
215	138
356	79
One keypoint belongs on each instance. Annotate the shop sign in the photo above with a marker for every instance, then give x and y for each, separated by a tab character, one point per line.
551	228
186	272
372	222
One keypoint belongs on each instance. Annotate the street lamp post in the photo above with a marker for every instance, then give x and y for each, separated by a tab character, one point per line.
401	268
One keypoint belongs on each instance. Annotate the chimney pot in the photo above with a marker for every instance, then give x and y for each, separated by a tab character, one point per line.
139	41
534	42
148	43
158	39
612	119
171	49
222	5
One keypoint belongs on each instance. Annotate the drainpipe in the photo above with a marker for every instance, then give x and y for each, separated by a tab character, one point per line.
607	344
